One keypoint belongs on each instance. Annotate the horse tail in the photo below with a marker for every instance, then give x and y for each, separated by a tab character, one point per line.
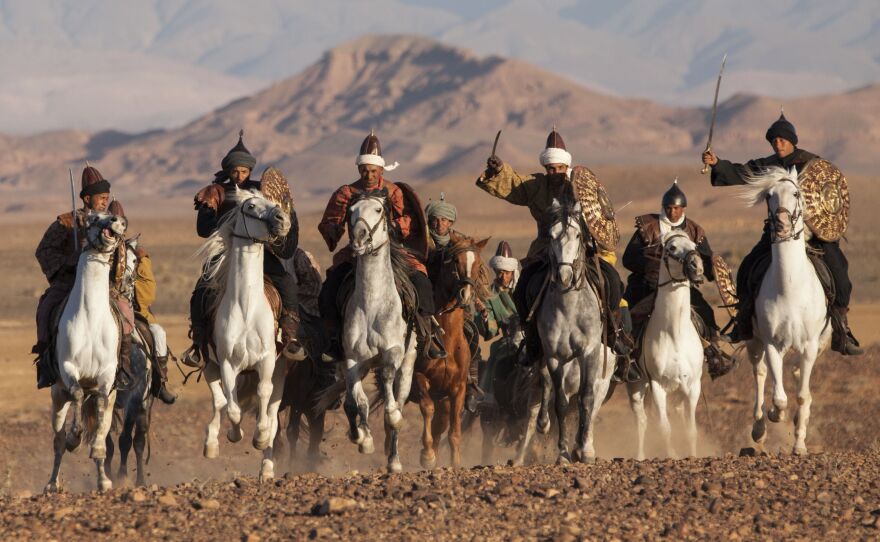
89	417
329	396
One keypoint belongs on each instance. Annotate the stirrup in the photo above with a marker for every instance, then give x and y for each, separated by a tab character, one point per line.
192	357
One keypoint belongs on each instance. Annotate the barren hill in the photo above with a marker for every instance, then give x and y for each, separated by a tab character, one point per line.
435	109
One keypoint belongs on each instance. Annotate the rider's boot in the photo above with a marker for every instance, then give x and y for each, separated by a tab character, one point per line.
720	363
474	393
45	375
160	381
742	327
333	351
842	338
289	324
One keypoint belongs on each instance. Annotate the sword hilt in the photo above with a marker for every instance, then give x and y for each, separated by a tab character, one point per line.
705	169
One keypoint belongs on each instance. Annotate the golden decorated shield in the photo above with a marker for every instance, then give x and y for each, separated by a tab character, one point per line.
596	206
274	186
826	199
724	282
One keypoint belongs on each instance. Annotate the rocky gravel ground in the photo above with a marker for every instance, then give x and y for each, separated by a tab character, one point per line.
830	496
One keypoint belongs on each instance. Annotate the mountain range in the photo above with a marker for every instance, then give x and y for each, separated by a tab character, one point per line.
104	64
436	109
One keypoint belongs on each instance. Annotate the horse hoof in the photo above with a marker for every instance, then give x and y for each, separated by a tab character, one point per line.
428	461
543	426
563	459
776	415
234	434
98	452
52	487
141	482
212	450
267	471
366	447
759	431
394	419
799	450
73	441
105	485
395	467
357	437
261	440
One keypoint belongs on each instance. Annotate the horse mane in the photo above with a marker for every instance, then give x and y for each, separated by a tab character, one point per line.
213	252
758	184
465	244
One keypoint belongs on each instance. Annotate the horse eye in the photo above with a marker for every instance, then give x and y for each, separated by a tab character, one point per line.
251	206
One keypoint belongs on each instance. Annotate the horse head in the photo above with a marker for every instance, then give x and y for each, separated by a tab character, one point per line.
567	242
104	231
780	189
466	266
677	246
368	220
257	218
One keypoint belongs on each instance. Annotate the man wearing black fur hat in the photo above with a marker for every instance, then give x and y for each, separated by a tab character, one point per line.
783	138
642	258
212	203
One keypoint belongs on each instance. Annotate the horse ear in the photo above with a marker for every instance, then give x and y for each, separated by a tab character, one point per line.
482	244
792	173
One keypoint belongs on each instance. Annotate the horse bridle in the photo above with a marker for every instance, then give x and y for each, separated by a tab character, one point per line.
241	210
371	250
578	266
773	218
460	283
682	260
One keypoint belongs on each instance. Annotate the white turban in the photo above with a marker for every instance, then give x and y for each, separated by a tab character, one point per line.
552	155
500	263
375	160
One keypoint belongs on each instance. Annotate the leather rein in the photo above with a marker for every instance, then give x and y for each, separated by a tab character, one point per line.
773	217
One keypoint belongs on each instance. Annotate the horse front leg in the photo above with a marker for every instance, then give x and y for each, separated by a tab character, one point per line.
60	404
266	394
316	434
74	436
456	401
228	376
141	436
637	392
690	417
276	390
428	458
104	414
559	373
804	399
659	398
357	408
759	371
595	380
391	361
543	422
534	406
780	401
125	443
218	403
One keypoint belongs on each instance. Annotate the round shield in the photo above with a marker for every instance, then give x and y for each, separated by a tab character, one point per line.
274	186
596	206
826	199
725	283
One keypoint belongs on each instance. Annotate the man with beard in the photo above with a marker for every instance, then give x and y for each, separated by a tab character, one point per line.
538	192
371	168
782	137
212	204
58	258
642	258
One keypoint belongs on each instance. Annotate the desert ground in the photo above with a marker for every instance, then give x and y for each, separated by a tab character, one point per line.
832	493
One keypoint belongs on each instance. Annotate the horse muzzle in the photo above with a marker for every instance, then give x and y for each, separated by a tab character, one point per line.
565	276
782	223
279	224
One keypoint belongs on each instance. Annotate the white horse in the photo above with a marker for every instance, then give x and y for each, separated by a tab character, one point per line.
790	311
570	327
375	333
244	324
87	351
672	352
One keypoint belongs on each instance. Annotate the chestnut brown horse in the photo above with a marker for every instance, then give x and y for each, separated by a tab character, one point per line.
440	384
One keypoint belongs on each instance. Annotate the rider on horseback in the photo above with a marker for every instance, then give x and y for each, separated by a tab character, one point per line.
212	204
371	167
642	258
58	259
441	217
783	139
538	192
139	295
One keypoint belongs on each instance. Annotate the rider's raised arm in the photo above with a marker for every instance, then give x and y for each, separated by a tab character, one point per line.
510	186
727	173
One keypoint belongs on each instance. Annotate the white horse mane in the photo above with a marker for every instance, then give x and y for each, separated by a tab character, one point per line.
215	265
755	191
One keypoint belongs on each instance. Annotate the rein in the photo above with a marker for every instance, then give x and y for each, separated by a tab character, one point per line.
682	260
247	232
578	266
773	217
371	250
460	283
